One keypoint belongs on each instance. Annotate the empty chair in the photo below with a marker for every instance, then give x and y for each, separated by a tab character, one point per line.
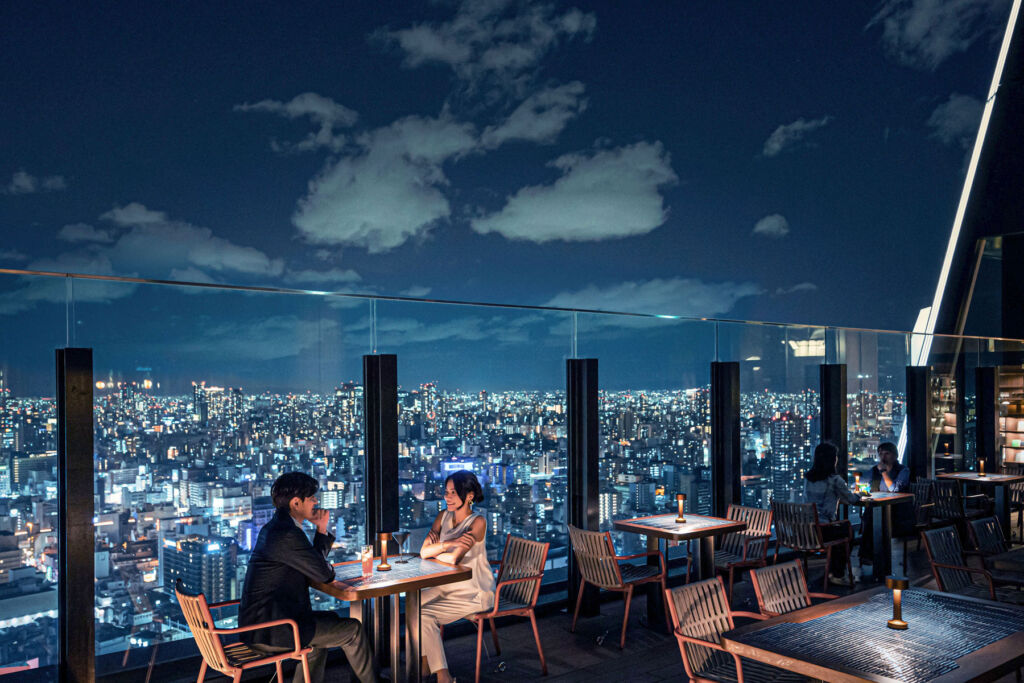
797	527
515	595
987	536
782	588
952	575
599	566
231	660
743	549
951	506
923	516
700	614
1016	495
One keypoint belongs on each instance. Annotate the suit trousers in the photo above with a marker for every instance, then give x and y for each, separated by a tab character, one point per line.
333	630
437	610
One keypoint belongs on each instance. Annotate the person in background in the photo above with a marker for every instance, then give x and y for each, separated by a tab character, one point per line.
283	564
456	537
888	475
825	488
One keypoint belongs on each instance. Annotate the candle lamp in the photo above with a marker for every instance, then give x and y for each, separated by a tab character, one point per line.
680	501
856	481
981	467
897	584
385	536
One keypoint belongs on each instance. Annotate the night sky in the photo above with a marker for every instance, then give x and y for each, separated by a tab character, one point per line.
797	162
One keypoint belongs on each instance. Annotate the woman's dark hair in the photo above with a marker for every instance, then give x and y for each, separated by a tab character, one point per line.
889	447
824	466
291	485
465	483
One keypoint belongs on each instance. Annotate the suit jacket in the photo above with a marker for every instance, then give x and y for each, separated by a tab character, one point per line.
282	564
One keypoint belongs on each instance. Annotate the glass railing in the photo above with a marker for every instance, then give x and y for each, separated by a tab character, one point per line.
205	394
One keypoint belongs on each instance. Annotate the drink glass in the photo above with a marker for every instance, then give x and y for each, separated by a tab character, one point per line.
400	536
366	555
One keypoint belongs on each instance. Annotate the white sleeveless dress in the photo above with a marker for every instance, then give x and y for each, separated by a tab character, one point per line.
477	592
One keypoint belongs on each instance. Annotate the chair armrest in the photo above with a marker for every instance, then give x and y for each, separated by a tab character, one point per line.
749	538
748	615
226	603
824	596
972	570
509	582
697	641
265	624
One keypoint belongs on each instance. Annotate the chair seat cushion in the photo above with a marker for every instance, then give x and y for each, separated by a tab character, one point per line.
239	654
753	671
637	572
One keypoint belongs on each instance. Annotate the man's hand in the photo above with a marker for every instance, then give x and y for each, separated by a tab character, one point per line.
321	518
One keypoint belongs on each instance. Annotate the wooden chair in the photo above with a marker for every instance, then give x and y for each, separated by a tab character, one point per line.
1016	495
743	549
952	575
700	614
923	518
951	506
231	660
797	527
782	588
987	536
599	566
519	577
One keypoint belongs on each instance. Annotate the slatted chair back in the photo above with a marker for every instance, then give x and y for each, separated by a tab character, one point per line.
988	536
780	588
759	522
595	556
522	558
796	525
948	502
922	490
201	623
701	610
943	547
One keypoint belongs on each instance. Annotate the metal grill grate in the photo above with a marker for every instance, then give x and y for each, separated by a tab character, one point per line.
942	629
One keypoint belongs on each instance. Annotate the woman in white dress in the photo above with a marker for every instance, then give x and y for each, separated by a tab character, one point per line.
457	537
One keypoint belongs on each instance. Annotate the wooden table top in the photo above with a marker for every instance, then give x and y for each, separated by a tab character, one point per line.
415	574
882	498
974	477
932	635
665	526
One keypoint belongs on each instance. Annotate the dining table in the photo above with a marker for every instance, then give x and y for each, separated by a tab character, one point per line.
407	576
949	638
1000	485
880	503
659	528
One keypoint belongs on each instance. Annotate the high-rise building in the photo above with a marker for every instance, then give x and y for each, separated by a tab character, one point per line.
204	564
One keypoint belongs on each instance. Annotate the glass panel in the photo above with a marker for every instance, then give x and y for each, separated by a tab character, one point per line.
780	405
655	417
203	398
32	317
482	389
947	405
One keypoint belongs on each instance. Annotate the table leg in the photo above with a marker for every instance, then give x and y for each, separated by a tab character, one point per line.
655	600
412	636
380	630
706	568
1003	510
396	636
882	532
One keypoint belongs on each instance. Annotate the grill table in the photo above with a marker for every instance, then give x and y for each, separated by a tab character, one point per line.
658	527
999	482
881	529
408	578
951	638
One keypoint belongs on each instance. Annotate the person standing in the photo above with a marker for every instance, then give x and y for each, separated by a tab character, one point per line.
282	565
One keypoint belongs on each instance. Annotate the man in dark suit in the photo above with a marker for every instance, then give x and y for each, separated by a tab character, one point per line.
282	564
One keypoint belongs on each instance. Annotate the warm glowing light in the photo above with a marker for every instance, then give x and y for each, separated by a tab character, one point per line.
680	501
897	584
384	538
101	385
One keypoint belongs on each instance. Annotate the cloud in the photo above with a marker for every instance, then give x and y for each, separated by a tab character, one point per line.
334	275
394	332
787	135
12	255
608	194
541	117
955	121
497	43
134	214
265	339
800	287
774	225
26	183
323	111
391	190
416	291
38	289
924	33
83	232
671	296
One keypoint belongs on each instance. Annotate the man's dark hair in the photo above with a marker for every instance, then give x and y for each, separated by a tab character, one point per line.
824	466
465	482
290	485
889	447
